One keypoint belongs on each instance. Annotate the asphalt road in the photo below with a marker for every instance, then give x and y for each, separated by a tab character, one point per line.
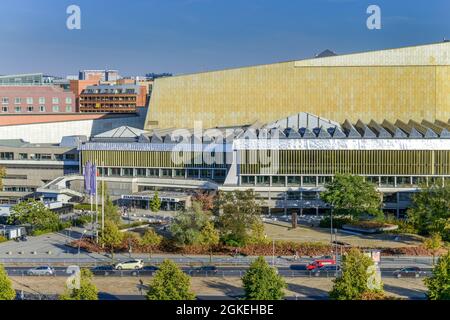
293	271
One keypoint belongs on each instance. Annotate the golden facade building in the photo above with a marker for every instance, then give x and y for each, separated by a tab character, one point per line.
411	83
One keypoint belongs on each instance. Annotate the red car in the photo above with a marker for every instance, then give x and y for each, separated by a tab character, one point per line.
320	263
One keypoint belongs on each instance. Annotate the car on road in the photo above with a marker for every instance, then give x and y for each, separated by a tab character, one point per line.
320	263
150	268
103	270
331	269
414	272
41	271
135	264
206	269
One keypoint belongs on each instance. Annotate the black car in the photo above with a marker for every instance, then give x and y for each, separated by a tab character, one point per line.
150	268
330	269
413	272
206	269
103	270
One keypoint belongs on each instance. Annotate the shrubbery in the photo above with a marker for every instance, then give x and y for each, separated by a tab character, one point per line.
338	222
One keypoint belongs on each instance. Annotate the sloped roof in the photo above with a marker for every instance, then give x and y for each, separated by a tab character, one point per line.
121	132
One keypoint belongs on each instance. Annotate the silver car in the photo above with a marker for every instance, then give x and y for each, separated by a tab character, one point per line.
41	271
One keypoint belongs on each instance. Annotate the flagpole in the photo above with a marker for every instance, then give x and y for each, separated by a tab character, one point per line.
96	203
103	195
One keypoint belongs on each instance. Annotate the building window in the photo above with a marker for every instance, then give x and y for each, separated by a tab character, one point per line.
153	172
5	100
114	172
193	173
68	108
294	181
387	181
310	195
6	155
419	181
42	109
68	100
30	108
403	181
374	180
4	109
248	180
18	109
166	172
55	100
141	172
29	100
17	100
127	172
309	181
323	180
278	181
405	196
389	197
55	108
263	180
294	195
179	173
41	100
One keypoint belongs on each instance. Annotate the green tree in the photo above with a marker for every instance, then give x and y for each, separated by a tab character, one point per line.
112	212
238	211
258	234
36	214
209	237
2	175
353	195
261	282
358	278
431	211
6	288
439	283
433	243
170	283
155	203
86	291
151	239
187	226
111	237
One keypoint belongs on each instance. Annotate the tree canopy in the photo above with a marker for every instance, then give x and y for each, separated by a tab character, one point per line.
261	282
7	291
86	291
36	214
170	283
353	196
187	226
111	236
155	203
358	277
238	212
439	283
430	213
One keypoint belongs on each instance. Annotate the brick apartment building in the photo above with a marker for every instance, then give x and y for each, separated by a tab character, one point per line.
113	98
39	99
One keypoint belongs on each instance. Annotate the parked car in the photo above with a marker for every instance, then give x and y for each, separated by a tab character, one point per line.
135	264
103	270
41	271
150	268
206	269
320	263
330	269
414	272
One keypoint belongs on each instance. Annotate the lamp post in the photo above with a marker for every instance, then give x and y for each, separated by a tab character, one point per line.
79	244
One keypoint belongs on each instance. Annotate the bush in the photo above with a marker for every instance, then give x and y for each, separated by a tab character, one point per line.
132	225
85	206
3	239
338	222
404	226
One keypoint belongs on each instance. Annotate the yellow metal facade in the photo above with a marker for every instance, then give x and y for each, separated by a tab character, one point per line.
334	89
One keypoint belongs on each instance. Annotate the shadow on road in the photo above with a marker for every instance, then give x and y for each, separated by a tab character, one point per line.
308	292
406	292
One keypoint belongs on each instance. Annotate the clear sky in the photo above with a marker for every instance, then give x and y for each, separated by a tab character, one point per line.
182	36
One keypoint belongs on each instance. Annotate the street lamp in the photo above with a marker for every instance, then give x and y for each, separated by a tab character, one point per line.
79	244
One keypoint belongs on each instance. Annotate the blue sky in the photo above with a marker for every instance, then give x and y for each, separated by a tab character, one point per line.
182	36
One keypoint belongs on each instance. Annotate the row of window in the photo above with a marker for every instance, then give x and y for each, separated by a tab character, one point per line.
393	197
18	189
314	181
19	109
42	100
164	173
38	156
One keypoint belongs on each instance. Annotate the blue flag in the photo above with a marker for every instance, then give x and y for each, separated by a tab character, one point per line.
87	177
